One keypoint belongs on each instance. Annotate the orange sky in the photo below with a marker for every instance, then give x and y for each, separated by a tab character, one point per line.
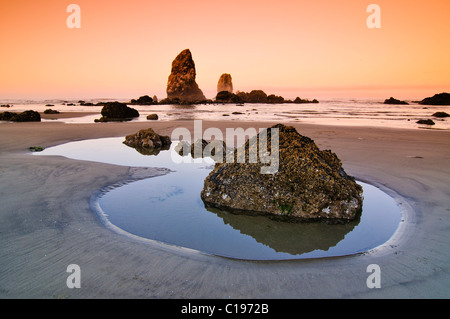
320	48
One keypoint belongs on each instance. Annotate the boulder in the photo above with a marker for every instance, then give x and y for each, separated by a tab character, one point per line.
304	101
51	111
116	111
394	101
143	100
7	116
227	97
255	96
426	122
215	149
441	114
181	83
225	83
310	184
275	99
152	117
26	116
148	142
437	99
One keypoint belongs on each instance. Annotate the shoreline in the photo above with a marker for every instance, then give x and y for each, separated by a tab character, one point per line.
47	223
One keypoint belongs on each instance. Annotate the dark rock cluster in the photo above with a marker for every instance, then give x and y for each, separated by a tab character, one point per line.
26	116
116	111
395	101
437	99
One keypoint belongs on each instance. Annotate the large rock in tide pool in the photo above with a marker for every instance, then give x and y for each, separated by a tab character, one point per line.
148	142
181	83
310	184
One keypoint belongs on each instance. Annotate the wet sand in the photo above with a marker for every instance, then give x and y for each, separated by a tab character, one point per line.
46	223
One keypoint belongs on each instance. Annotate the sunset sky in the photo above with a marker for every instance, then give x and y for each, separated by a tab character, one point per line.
312	49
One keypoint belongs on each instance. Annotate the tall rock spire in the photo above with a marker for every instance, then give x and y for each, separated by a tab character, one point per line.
181	83
225	83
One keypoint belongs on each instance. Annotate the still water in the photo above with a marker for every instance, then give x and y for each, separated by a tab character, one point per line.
169	209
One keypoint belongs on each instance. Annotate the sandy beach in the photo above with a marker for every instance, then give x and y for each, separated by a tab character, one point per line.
46	223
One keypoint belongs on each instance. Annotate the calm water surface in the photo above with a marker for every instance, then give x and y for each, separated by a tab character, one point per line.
169	209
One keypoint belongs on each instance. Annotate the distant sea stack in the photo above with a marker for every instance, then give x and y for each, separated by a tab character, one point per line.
225	83
437	99
394	101
181	83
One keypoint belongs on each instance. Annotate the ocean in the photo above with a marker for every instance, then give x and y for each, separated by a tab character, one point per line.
348	112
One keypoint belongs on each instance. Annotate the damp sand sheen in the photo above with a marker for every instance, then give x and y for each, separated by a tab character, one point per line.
168	209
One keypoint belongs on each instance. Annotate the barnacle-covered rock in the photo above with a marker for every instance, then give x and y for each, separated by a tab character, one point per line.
148	142
310	184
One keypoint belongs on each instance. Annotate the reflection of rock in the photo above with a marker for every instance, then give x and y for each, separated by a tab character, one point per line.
148	142
310	184
292	238
181	83
225	83
437	99
116	111
394	101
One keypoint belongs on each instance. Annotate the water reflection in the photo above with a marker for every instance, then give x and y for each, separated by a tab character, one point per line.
287	237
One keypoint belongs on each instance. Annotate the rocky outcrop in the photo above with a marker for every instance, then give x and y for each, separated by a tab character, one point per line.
148	142
275	99
310	184
51	111
304	101
437	99
441	114
26	116
215	149
255	96
426	122
225	83
116	111
227	97
395	101
181	83
143	100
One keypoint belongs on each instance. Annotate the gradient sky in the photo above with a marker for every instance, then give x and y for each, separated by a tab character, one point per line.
322	48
